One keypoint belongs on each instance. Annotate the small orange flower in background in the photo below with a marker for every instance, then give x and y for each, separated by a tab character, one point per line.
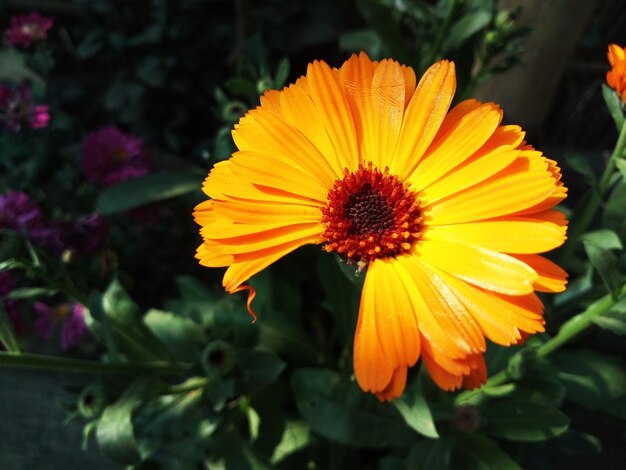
446	209
616	77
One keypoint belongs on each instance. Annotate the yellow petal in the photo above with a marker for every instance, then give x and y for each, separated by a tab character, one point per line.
387	96
355	77
264	133
270	238
443	322
495	155
299	111
498	319
334	112
373	369
395	319
253	212
271	172
423	116
484	268
464	138
222	183
551	277
493	198
270	100
507	235
395	387
409	84
247	265
210	255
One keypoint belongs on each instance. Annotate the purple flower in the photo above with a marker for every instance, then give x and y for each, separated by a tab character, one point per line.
87	234
18	212
111	156
17	109
74	329
70	317
27	29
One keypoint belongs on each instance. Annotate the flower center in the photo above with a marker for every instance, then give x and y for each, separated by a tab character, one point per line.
370	214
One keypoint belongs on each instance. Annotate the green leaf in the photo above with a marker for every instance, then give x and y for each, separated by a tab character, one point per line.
118	318
115	430
282	73
385	21
607	239
614	319
620	164
258	369
431	455
13	68
296	436
481	453
7	335
580	164
591	379
614	105
341	297
614	213
181	335
343	413
605	263
597	246
415	411
31	292
169	416
524	420
363	40
465	28
148	189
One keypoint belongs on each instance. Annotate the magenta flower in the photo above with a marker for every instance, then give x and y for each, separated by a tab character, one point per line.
18	109
86	234
69	317
19	213
111	156
27	29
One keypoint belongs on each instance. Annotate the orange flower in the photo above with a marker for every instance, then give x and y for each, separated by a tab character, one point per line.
446	209
616	77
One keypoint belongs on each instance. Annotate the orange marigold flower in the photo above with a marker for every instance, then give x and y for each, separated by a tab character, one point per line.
616	77
447	209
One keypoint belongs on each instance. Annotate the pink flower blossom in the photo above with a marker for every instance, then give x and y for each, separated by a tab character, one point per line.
19	213
17	109
25	30
68	317
111	156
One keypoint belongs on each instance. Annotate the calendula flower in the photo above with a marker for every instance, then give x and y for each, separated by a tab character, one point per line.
111	156
446	209
27	29
17	109
616	77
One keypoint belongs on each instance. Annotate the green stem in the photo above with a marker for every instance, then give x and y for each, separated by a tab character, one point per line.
581	223
190	385
576	325
37	361
441	33
568	331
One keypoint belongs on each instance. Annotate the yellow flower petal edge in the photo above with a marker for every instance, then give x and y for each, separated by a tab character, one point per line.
447	210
